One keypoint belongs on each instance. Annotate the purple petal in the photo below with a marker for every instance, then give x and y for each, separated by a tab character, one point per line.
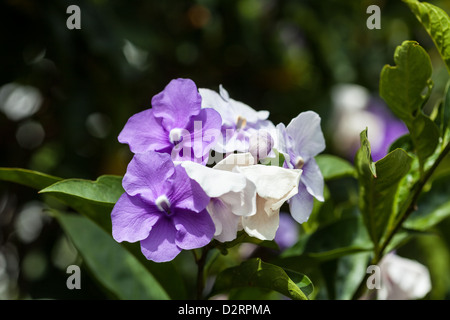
313	179
160	244
307	136
195	229
147	175
205	130
186	193
144	132
132	219
177	103
287	233
301	204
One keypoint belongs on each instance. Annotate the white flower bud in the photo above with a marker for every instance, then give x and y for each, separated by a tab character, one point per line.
260	144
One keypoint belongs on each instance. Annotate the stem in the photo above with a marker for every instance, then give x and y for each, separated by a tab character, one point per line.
409	210
200	284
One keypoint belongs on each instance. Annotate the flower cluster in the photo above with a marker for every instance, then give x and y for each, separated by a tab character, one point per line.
179	195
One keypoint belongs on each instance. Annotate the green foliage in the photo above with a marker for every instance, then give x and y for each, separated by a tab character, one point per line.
333	167
112	265
256	273
437	23
379	184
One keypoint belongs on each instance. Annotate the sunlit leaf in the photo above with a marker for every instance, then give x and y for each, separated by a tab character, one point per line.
29	178
333	167
256	273
437	23
378	191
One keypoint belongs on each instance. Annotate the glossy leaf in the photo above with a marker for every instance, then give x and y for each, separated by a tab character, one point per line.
333	167
401	86
94	199
378	186
437	23
111	264
256	273
29	178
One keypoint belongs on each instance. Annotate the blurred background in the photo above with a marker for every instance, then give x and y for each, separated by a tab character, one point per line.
66	94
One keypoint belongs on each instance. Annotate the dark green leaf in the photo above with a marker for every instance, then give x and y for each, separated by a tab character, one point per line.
401	86
425	136
433	206
437	23
256	273
333	167
378	192
29	178
111	264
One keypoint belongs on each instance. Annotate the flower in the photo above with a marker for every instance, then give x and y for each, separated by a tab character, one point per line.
175	124
162	208
300	142
402	279
287	233
232	196
239	121
274	186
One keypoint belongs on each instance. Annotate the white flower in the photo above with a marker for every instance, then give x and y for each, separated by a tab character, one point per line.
403	279
232	196
245	195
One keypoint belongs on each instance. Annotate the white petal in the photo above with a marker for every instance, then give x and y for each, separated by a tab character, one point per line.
307	136
235	160
261	225
273	182
225	221
214	182
242	203
211	99
408	279
244	111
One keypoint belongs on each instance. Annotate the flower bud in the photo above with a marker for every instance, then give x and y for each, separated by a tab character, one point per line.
260	144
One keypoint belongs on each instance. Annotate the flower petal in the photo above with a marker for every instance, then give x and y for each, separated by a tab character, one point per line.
186	193
273	182
226	223
147	175
194	229
177	103
160	244
235	160
205	131
132	219
261	225
313	179
301	204
144	132
214	182
307	136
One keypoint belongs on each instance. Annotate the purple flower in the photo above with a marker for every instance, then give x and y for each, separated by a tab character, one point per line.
287	233
300	142
162	208
176	124
239	121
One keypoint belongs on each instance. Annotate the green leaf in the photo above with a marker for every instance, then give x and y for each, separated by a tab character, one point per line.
433	206
29	178
333	167
256	273
277	161
424	135
401	86
378	192
437	23
94	199
111	264
342	237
